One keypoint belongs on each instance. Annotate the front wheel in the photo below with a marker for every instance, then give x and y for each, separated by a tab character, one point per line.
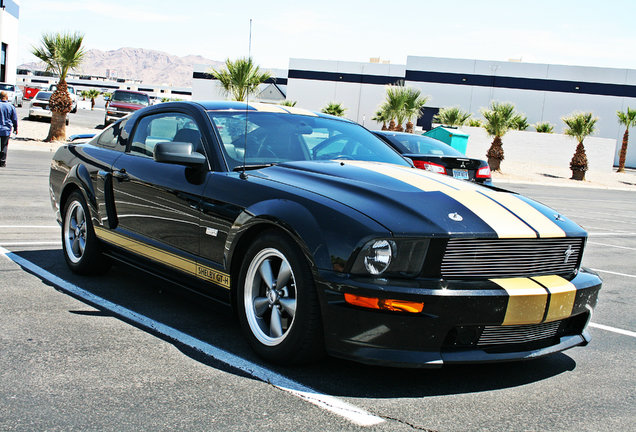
277	302
79	243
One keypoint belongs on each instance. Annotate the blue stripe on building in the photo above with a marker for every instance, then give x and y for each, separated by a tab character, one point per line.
272	80
582	87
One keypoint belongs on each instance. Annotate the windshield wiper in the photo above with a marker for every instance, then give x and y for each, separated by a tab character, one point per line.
252	167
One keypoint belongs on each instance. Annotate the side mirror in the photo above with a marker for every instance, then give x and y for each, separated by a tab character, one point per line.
179	153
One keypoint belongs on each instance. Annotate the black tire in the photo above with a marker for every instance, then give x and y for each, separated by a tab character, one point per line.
74	110
283	324
67	121
80	245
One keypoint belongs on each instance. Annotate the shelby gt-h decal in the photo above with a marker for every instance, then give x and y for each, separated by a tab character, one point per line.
324	238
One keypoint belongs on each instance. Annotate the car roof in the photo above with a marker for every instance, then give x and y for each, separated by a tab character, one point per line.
130	91
262	107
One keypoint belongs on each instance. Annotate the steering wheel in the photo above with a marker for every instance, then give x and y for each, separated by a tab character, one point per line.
338	154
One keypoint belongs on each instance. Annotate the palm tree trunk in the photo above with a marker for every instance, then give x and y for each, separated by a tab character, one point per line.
92	104
578	164
495	154
392	125
623	155
384	126
399	128
409	127
57	131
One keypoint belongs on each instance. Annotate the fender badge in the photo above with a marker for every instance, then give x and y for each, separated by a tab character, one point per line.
456	217
211	232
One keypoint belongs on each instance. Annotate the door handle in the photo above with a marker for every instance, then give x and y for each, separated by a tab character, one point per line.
121	175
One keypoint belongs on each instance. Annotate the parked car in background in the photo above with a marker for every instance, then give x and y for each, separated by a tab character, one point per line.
435	156
40	106
30	91
322	237
71	93
14	92
123	102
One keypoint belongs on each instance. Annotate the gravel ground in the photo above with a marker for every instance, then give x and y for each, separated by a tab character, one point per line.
32	133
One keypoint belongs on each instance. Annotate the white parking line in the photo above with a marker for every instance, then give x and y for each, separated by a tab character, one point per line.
31	226
324	401
611	245
614	329
13	244
614	273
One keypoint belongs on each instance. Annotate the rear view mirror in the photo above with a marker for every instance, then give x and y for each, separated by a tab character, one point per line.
179	153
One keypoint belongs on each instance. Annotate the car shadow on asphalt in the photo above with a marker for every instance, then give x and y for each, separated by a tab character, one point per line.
216	325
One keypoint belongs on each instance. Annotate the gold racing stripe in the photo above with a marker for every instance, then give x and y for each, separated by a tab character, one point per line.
169	259
533	217
502	221
300	111
526	302
263	107
562	295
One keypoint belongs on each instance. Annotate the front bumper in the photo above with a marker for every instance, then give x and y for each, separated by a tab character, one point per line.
461	322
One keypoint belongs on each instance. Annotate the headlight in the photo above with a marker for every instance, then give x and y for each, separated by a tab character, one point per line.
401	257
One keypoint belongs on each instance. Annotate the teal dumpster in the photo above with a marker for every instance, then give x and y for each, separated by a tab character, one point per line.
453	137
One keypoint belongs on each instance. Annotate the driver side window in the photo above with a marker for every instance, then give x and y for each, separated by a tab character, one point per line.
165	127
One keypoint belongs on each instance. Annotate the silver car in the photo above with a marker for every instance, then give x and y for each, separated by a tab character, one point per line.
40	106
14	92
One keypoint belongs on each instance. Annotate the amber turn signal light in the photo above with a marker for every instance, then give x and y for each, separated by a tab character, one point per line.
384	304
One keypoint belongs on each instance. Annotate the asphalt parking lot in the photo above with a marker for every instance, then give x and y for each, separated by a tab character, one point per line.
125	351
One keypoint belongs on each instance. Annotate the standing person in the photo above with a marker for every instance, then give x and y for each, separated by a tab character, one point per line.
8	121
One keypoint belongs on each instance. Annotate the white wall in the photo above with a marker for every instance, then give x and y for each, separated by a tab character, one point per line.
543	149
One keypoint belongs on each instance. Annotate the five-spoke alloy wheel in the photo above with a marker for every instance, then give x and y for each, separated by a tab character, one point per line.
80	245
277	300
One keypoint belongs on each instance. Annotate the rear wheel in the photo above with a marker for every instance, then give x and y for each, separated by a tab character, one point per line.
277	302
79	243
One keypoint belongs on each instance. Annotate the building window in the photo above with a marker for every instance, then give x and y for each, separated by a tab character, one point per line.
3	63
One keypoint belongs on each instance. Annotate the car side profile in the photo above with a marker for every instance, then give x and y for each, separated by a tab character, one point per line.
323	238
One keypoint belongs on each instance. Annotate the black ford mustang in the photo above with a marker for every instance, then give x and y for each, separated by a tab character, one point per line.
323	237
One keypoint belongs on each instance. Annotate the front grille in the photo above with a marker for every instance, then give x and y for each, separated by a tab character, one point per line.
505	335
493	258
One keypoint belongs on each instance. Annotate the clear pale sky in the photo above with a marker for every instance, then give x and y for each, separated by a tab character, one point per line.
583	32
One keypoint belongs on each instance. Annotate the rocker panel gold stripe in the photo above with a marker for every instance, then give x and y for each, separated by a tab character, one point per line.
562	295
189	266
516	219
526	302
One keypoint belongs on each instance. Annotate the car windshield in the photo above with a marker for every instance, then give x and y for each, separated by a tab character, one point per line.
70	89
135	98
42	95
419	144
7	87
272	138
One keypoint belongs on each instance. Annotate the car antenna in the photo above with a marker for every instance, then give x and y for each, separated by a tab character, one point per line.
247	101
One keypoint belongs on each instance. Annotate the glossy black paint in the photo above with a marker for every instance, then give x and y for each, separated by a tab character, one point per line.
209	215
449	162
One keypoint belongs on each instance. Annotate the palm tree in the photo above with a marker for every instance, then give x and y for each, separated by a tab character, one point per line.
544	127
413	105
91	94
61	52
520	122
395	102
499	120
334	108
627	118
240	78
579	125
382	116
288	103
452	116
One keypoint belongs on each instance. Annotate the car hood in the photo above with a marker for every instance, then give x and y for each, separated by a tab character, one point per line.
410	201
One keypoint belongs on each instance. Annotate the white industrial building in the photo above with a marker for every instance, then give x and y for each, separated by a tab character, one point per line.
544	93
9	17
